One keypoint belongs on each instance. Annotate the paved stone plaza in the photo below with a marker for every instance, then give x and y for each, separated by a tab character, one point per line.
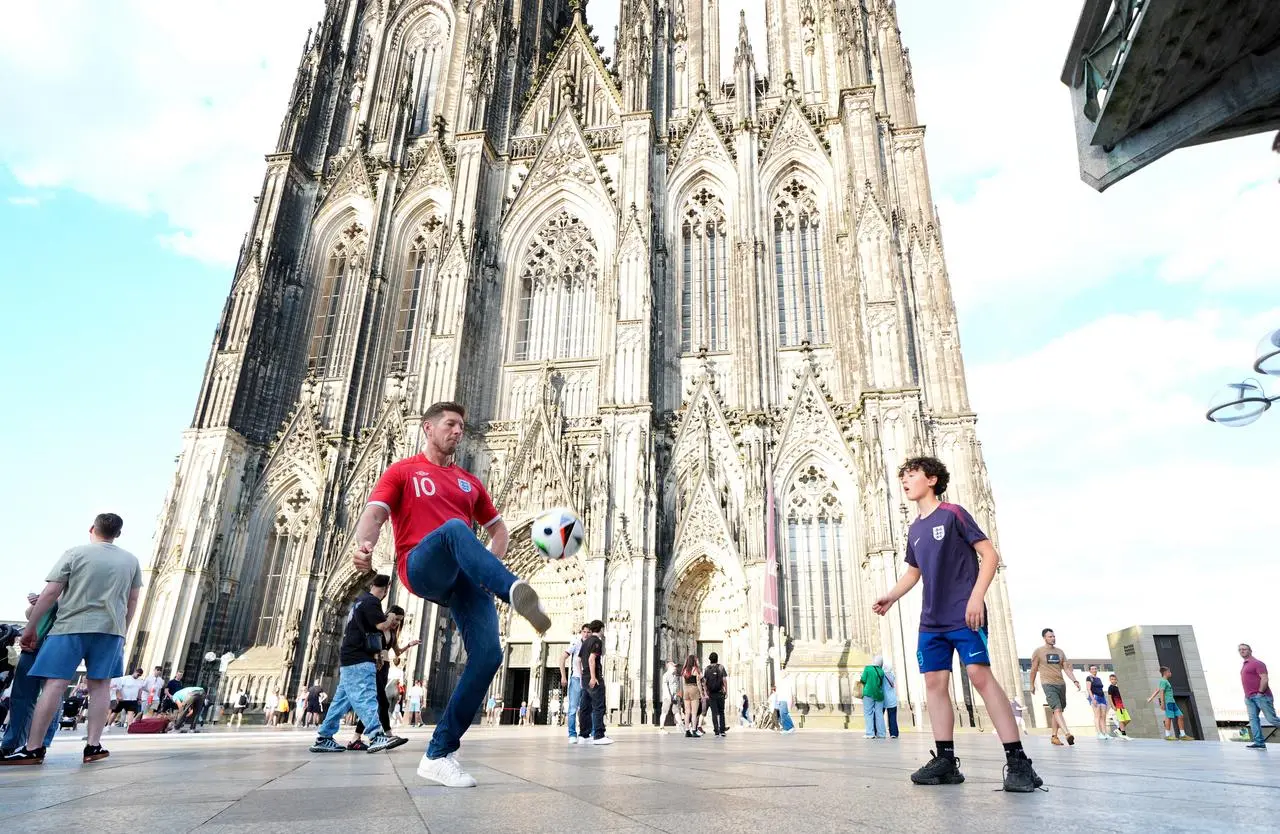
265	781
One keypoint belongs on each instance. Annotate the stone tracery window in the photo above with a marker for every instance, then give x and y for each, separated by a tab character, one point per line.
328	328
286	533
797	254
704	274
815	559
420	268
557	305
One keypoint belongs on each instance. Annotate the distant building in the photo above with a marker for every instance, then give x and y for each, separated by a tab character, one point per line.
1139	652
1148	78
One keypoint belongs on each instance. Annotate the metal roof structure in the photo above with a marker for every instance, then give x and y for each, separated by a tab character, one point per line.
1150	76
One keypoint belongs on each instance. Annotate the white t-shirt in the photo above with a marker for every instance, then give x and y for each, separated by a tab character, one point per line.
417	692
129	687
273	701
575	660
396	673
153	685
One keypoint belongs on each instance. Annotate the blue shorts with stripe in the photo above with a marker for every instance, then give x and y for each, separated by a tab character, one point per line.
935	648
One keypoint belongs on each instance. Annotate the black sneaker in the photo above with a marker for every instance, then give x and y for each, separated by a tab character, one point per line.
23	756
357	745
688	733
1019	776
94	753
941	770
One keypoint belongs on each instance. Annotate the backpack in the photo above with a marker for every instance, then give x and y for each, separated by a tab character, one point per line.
874	687
242	701
714	676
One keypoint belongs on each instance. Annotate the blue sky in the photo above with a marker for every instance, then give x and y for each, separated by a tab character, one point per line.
1095	327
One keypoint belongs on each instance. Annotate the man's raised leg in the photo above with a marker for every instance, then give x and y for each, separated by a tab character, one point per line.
454	548
453	551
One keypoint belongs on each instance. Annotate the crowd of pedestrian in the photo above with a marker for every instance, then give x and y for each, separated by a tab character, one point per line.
90	598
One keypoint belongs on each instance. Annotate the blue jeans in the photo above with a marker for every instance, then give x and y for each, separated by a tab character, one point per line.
891	716
452	568
1255	703
873	717
784	716
22	705
357	690
575	699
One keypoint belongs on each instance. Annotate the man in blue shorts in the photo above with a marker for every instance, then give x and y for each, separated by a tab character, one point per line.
944	545
96	588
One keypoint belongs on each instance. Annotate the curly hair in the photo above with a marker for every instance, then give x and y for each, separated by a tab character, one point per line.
932	468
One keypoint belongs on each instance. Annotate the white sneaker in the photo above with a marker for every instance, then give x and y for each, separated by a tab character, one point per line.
573	739
524	599
1103	737
603	740
447	771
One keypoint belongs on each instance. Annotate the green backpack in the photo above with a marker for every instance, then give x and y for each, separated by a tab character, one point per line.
873	688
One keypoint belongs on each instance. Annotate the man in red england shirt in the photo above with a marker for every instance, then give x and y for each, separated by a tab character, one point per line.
432	504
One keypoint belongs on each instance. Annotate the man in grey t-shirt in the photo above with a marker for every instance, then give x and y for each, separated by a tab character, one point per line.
96	588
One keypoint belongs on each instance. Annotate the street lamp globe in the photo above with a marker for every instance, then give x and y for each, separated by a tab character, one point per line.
209	657
1269	354
1238	404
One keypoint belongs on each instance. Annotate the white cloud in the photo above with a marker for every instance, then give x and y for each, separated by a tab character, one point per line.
24	201
150	107
1018	222
1118	503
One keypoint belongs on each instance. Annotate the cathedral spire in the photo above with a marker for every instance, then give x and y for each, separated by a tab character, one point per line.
743	54
635	51
744	71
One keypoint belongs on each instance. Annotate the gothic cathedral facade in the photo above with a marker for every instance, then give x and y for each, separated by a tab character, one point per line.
701	308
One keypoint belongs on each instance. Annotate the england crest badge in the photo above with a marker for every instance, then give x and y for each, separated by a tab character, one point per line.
939	532
464	485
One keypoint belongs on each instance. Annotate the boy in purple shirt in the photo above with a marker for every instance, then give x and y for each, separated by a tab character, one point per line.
943	548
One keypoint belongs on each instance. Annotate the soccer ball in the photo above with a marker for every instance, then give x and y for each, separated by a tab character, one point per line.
557	533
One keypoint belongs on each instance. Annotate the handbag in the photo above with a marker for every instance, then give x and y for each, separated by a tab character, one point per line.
857	690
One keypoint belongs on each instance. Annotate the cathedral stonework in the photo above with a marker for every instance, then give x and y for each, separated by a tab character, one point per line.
672	300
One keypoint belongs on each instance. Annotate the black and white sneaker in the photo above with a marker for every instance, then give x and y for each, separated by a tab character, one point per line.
23	756
381	741
941	770
1019	776
325	744
94	753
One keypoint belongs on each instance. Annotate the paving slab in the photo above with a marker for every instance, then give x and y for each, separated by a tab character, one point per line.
265	780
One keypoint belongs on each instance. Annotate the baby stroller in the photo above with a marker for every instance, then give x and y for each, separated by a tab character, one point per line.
72	706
